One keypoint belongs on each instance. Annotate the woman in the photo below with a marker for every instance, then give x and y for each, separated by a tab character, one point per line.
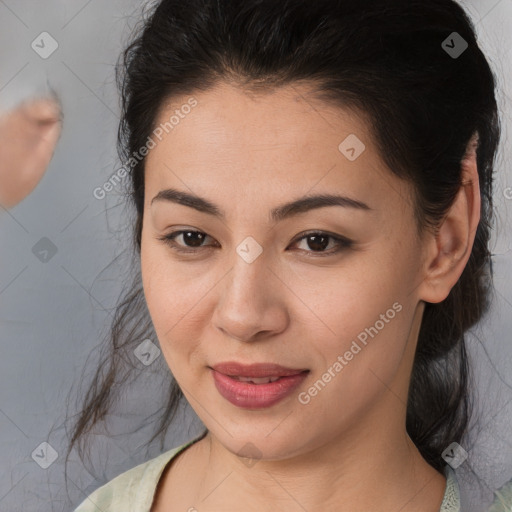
313	190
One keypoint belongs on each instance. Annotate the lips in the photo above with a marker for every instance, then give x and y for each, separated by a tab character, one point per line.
257	385
256	370
257	392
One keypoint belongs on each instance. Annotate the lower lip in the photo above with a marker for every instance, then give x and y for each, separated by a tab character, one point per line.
256	396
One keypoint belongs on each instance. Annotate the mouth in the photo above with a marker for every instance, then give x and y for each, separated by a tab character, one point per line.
258	385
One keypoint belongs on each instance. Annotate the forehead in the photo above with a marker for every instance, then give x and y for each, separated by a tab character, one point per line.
280	141
241	119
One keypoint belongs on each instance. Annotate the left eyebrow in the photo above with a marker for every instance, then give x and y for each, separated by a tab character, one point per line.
277	214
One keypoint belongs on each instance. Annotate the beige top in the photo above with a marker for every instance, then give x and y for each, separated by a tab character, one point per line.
134	490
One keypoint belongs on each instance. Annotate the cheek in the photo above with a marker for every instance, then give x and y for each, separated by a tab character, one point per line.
173	295
357	365
363	316
343	302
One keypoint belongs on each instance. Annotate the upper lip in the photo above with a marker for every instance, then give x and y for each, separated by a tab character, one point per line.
255	370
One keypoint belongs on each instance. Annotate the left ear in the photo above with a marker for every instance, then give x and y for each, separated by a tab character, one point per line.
449	250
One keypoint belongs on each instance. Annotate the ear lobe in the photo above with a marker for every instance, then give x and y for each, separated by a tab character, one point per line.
450	247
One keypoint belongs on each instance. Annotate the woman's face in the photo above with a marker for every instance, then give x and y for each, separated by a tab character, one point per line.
255	288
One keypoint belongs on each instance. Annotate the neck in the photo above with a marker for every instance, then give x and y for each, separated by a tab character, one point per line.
366	468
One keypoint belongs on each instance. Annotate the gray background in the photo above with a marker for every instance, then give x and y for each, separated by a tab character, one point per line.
53	314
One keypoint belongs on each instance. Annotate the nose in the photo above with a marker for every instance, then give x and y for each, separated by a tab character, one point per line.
251	303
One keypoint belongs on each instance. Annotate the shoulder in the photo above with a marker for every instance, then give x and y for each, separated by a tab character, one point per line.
451	499
502	499
451	502
132	490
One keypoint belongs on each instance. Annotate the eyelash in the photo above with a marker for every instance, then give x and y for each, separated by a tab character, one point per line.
344	243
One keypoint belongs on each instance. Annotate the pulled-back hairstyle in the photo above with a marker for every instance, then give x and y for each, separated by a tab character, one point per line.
384	58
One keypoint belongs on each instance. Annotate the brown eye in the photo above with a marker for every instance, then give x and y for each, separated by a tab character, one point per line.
191	239
318	242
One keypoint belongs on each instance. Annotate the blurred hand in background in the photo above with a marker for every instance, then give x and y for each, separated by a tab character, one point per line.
28	136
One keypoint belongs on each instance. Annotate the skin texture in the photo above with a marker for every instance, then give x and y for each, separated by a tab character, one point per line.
347	449
28	136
